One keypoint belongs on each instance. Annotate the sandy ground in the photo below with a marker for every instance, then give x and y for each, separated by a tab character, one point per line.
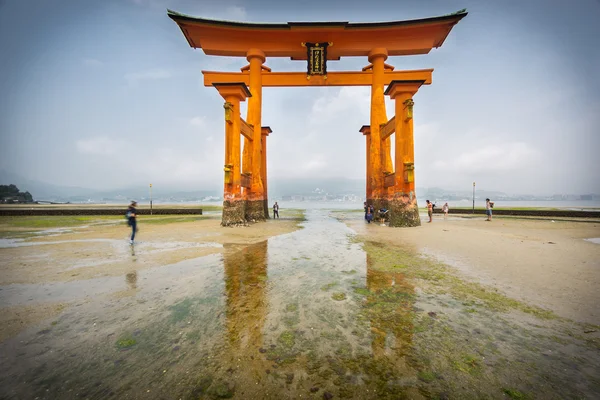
543	262
76	255
97	251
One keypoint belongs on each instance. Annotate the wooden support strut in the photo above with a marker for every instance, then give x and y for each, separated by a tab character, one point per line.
247	130
388	128
389	180
246	180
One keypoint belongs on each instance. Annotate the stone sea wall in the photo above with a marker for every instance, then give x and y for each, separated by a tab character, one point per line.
526	213
95	211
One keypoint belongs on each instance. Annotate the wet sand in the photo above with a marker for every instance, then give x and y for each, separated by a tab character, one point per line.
337	309
87	252
43	270
545	262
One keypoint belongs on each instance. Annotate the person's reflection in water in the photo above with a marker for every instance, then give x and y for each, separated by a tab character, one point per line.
245	283
131	279
390	304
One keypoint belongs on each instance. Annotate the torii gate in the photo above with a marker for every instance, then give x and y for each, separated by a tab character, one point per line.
390	183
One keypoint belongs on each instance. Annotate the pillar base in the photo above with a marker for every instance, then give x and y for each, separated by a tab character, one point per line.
233	213
255	210
404	211
378	204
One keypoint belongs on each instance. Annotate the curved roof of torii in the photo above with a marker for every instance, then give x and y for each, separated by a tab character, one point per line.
234	39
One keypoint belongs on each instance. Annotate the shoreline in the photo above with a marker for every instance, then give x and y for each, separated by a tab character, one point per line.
14	210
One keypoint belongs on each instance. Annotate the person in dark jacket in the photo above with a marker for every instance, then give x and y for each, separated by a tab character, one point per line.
370	212
132	220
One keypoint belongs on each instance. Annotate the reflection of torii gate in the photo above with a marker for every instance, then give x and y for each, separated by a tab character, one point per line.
390	184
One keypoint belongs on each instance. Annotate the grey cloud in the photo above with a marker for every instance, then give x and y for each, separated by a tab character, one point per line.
513	105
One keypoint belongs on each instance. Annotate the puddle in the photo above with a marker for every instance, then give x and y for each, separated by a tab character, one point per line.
300	315
118	244
55	231
7	243
160	246
25	294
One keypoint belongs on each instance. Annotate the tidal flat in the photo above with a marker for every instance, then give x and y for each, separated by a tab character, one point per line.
315	305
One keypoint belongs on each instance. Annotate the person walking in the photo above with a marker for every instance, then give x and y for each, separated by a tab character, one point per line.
429	210
445	210
132	220
488	209
275	210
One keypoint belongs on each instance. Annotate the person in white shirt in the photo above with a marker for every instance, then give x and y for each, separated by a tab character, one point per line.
445	209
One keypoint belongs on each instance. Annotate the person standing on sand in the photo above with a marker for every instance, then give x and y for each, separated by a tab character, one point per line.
445	209
132	220
488	209
275	210
370	211
429	210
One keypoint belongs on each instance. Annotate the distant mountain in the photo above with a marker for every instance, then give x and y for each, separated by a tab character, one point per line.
278	187
159	193
439	193
307	187
50	192
42	190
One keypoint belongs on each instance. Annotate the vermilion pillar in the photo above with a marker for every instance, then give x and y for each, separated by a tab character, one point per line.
366	131
233	201
386	146
377	57
265	130
403	206
255	196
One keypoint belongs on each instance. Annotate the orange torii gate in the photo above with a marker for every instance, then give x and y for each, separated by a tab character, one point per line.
390	183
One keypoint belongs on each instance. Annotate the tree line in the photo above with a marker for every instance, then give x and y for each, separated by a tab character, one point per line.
10	194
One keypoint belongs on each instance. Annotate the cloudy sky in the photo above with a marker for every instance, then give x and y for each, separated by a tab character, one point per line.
106	94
